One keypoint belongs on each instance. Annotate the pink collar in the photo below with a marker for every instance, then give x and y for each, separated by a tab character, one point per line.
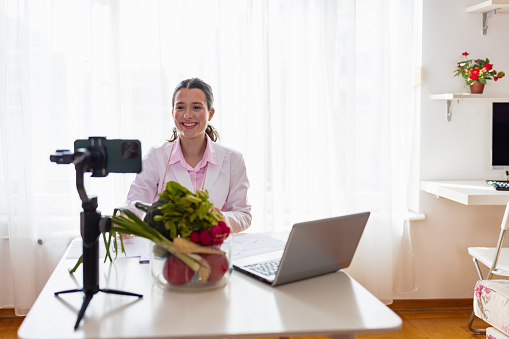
208	156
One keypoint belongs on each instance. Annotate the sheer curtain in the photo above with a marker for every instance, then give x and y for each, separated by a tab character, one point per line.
318	95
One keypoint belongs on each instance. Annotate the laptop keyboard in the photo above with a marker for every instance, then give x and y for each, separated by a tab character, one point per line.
266	268
499	185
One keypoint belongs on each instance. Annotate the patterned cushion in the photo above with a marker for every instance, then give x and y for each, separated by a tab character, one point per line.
491	304
493	333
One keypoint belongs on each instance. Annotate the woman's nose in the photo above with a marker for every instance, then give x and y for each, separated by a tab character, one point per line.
187	114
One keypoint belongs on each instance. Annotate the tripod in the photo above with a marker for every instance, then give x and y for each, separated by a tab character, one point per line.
92	225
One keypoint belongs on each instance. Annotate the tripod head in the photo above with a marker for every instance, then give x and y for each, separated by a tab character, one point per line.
100	156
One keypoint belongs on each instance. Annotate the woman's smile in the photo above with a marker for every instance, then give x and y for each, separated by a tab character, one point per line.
189	125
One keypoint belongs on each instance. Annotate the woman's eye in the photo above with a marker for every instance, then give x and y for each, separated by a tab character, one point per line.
197	107
179	107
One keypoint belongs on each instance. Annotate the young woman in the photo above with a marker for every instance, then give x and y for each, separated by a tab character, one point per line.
193	159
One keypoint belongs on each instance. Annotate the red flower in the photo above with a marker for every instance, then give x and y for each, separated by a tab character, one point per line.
465	53
474	74
488	66
495	78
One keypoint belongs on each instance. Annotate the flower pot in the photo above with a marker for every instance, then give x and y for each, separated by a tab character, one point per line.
477	88
182	278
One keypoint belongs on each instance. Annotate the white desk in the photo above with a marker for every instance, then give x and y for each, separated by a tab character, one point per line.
334	305
467	192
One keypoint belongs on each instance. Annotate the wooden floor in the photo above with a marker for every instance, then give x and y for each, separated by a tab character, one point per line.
9	324
424	319
432	324
432	319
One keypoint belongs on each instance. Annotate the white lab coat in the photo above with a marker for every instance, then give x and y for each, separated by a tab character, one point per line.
226	182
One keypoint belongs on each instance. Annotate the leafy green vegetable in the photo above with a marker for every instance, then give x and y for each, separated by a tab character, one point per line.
151	212
180	212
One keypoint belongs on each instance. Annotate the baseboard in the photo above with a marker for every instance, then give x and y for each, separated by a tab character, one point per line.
409	304
7	313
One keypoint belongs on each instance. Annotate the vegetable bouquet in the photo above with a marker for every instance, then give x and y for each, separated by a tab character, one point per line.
182	223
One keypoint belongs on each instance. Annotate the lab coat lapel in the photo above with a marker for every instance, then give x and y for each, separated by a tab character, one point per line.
214	170
182	176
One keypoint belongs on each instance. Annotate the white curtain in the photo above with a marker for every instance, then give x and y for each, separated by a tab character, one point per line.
317	94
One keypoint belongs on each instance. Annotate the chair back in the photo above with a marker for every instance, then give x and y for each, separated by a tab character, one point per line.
505	220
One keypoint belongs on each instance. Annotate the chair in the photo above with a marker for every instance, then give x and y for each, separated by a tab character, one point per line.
495	258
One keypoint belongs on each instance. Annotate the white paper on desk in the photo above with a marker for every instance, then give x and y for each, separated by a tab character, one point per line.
250	244
134	247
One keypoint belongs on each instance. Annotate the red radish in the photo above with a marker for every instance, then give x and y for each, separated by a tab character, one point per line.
217	235
216	231
224	227
195	236
205	238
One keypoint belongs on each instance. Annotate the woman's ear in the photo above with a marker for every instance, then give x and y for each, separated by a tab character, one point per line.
211	113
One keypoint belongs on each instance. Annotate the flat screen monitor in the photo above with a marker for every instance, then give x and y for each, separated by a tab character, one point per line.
500	136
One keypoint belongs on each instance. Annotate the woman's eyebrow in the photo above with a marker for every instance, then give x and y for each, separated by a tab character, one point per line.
193	103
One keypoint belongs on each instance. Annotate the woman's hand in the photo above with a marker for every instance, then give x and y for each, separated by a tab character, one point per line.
218	211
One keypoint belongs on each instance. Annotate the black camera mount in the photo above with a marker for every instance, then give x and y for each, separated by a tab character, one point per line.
92	224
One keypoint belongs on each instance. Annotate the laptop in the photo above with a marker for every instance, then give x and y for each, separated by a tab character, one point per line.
313	248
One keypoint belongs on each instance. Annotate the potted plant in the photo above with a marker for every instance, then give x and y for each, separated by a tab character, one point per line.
477	72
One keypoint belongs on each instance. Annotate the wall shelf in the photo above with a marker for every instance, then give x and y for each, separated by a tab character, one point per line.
466	192
489	7
449	97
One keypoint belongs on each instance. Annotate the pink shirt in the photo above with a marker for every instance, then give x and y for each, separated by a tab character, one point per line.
198	173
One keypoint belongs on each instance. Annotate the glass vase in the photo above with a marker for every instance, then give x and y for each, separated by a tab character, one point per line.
169	272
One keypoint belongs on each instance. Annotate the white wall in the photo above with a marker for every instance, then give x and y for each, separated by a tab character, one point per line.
459	149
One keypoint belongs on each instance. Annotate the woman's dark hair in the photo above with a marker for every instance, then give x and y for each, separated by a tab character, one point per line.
207	90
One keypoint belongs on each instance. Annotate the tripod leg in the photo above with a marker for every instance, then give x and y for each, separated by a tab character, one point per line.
69	291
86	301
107	290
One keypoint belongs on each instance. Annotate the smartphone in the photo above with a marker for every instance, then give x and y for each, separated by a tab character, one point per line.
115	155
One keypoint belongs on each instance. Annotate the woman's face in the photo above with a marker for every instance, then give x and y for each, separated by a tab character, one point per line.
190	113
